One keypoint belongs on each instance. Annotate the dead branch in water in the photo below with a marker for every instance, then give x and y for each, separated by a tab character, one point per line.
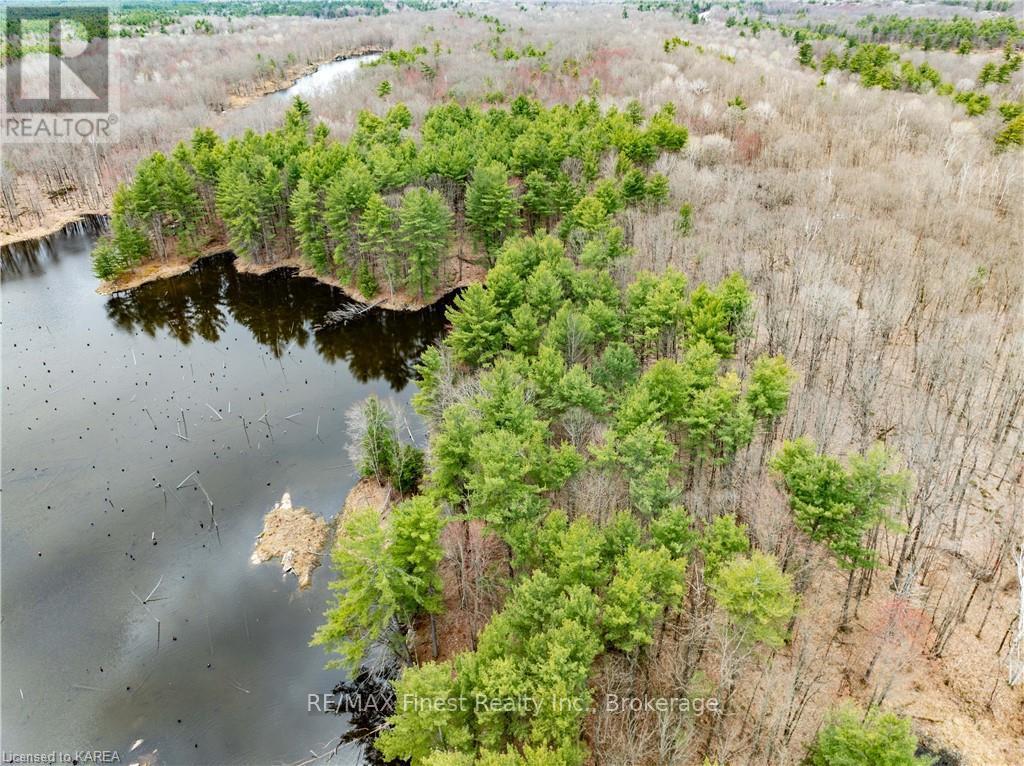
144	601
346	314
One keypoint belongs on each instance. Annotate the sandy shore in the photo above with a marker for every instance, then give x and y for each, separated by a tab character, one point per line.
367	493
152	271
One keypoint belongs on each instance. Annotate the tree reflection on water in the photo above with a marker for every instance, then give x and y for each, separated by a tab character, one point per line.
279	310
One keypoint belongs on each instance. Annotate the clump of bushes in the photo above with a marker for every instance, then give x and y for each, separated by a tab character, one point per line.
974	103
850	738
378	452
1012	134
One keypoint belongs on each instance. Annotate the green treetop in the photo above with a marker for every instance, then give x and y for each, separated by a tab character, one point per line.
491	206
757	596
851	738
424	229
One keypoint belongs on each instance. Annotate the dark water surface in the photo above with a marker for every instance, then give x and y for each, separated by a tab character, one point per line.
93	389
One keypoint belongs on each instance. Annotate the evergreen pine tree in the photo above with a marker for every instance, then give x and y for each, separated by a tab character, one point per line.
424	229
491	206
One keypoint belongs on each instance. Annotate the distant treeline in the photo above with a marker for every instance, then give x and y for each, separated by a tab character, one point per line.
136	19
959	33
948	34
140	12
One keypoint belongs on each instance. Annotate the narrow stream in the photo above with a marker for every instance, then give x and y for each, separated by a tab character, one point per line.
93	390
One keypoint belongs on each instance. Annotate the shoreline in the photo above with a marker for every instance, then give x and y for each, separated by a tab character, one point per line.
284	83
54	224
54	221
156	271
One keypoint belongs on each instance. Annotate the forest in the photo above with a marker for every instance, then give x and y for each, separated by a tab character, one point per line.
137	19
295	189
723	453
554	381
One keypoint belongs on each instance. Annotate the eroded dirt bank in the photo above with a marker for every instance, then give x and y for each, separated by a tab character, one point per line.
458	273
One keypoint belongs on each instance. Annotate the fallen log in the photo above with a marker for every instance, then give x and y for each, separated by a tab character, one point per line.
346	313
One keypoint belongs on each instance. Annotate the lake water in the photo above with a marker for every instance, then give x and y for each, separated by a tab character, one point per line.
325	78
94	389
